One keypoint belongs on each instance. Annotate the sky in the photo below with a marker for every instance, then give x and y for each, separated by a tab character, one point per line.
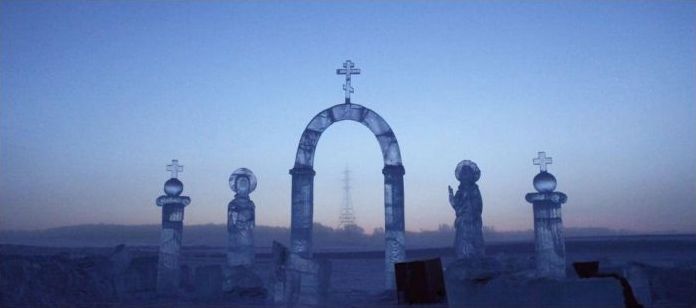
96	97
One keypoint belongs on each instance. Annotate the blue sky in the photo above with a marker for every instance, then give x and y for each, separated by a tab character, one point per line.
97	97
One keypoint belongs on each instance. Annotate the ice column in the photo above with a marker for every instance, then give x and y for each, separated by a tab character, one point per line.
548	225
394	222
172	226
241	219
302	211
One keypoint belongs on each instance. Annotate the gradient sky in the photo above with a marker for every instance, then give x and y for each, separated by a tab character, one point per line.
96	97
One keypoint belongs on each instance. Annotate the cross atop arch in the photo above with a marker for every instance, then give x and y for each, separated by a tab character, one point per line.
348	70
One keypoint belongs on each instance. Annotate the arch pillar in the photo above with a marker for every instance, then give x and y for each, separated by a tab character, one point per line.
394	221
302	211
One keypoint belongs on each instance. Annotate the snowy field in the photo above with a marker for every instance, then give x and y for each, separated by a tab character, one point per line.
357	278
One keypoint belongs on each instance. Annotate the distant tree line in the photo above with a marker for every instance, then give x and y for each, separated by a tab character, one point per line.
325	238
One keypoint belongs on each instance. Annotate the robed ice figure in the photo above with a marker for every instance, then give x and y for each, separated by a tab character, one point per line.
241	219
468	206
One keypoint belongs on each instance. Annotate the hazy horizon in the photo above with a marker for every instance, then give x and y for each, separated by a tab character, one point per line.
97	97
215	235
366	231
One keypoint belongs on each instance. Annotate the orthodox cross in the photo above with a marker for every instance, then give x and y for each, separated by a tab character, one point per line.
542	161
175	168
348	69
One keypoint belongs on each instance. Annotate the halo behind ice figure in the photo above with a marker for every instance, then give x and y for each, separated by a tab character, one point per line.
470	164
242	172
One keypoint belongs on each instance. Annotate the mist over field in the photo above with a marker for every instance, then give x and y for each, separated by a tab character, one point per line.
325	237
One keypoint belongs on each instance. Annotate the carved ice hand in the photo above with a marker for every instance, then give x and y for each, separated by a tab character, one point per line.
451	195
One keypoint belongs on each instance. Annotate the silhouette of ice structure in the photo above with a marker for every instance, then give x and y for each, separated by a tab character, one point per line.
298	281
548	225
240	279
467	203
139	277
172	227
241	213
506	281
303	178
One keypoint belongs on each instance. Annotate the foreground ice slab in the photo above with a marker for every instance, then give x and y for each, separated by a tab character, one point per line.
298	281
172	205
486	282
420	282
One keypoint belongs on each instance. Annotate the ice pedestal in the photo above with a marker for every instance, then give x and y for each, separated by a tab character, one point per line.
168	268
548	225
548	233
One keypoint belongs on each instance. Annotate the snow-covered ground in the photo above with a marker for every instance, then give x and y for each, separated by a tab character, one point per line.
357	279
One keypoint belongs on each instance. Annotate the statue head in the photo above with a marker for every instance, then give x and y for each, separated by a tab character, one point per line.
467	172
243	181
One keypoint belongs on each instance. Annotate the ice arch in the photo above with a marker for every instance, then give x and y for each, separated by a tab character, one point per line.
303	183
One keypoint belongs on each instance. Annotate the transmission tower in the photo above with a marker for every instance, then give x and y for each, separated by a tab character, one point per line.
347	217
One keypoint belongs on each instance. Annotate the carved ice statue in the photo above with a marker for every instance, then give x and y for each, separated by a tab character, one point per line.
468	205
172	204
241	219
548	224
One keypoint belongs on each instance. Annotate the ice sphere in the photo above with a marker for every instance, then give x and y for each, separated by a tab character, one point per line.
173	187
544	182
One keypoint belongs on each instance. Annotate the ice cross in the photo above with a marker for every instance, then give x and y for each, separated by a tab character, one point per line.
348	70
542	161
175	168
